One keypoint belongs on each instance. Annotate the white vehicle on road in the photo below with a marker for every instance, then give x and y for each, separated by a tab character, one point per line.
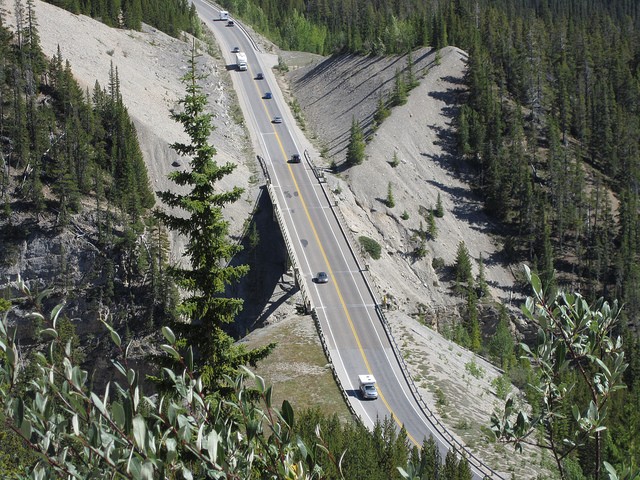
368	387
241	61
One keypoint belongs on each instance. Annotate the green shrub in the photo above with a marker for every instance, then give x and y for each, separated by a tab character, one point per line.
370	246
503	386
437	263
474	370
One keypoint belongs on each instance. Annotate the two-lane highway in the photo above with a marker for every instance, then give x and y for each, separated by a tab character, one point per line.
346	306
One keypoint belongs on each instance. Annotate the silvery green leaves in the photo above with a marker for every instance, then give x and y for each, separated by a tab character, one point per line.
123	433
575	345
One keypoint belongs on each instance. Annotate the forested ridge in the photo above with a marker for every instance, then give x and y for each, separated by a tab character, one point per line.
70	160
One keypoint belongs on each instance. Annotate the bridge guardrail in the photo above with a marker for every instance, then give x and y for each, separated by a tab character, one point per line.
317	172
327	353
306	298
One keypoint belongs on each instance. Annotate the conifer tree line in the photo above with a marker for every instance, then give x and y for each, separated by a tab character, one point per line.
170	16
391	26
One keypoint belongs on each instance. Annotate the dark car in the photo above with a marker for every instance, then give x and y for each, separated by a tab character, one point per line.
235	49
267	95
259	76
322	277
277	120
230	23
295	158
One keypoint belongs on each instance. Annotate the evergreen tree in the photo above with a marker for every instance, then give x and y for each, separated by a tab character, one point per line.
382	111
390	200
132	11
472	321
411	77
450	468
399	91
355	149
207	306
481	281
462	268
502	343
432	228
439	212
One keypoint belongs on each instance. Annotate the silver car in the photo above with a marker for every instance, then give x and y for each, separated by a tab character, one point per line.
322	277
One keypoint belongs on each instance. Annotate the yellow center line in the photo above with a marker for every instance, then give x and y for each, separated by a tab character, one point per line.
331	275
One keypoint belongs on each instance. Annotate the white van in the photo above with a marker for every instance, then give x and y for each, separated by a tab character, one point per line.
224	15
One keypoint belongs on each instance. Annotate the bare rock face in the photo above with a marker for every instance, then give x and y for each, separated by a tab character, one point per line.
63	259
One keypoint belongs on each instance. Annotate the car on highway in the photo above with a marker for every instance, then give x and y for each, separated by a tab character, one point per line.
322	277
230	23
259	76
295	158
267	95
277	119
235	49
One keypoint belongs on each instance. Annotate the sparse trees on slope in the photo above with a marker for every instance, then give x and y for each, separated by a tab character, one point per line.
207	307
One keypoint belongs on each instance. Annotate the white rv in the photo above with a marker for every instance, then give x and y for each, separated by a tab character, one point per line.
368	387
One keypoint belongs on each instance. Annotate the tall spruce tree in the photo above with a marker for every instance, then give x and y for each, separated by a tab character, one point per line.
207	306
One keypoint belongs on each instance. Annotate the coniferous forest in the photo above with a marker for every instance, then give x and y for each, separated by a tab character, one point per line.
169	16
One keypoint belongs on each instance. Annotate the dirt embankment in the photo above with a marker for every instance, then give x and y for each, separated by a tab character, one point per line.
420	135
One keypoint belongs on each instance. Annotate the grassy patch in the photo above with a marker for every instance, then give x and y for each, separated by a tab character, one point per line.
298	370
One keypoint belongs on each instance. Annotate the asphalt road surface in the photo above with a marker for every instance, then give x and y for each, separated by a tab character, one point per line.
346	307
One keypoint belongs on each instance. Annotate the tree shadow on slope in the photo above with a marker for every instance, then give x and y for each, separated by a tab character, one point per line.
345	86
